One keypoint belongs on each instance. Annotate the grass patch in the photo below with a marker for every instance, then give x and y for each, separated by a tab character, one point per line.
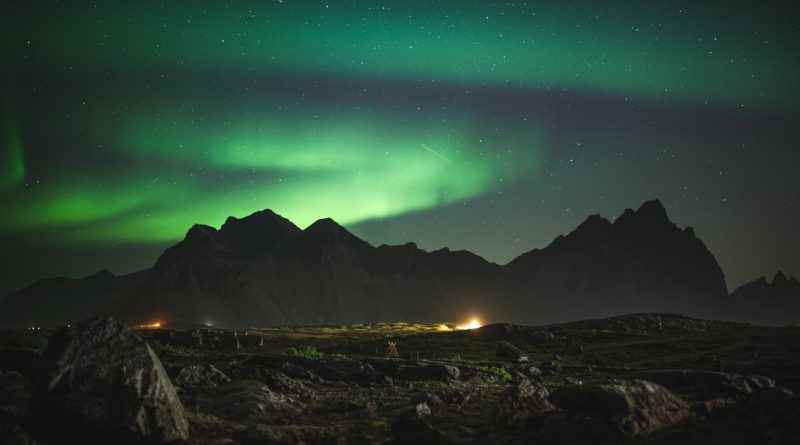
179	351
304	351
496	371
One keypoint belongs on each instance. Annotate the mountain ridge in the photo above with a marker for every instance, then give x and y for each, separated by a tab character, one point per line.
262	269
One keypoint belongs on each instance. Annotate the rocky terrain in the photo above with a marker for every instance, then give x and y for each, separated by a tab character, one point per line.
645	378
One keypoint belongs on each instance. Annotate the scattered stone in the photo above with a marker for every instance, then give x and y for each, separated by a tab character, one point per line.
549	368
456	395
298	372
533	371
628	408
15	395
199	377
416	431
288	435
426	397
522	401
428	372
98	381
543	337
417	411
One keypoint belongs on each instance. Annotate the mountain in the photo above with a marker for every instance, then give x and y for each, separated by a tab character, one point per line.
777	302
323	274
59	301
642	262
264	270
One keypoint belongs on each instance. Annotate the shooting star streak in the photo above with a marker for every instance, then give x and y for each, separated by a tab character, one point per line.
437	154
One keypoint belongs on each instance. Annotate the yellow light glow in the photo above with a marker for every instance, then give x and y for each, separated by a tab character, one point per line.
155	325
473	324
442	328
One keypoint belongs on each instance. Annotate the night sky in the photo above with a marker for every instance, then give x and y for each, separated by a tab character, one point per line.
487	126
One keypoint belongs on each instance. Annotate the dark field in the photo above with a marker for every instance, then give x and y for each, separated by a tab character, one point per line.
333	384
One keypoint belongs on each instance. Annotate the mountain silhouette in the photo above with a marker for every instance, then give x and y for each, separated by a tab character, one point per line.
264	270
777	302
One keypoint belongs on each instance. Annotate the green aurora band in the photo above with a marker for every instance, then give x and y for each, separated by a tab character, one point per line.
639	49
350	168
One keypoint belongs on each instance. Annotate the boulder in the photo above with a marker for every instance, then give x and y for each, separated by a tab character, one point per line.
428	372
18	359
533	371
280	382
508	352
246	400
709	382
199	377
427	398
11	434
522	401
98	382
626	408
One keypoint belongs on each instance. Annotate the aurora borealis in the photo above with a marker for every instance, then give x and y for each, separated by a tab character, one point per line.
488	126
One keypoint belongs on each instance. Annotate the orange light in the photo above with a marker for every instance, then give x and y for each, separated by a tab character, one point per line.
473	324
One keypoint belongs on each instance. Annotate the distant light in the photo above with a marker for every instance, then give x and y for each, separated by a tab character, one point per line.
473	324
443	328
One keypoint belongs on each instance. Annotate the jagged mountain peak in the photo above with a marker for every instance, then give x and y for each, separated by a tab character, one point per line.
199	232
649	216
257	232
779	279
653	207
594	224
324	225
327	232
261	220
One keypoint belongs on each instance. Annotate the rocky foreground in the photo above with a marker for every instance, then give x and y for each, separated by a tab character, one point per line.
101	382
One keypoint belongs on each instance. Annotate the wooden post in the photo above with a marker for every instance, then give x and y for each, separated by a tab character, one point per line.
261	342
